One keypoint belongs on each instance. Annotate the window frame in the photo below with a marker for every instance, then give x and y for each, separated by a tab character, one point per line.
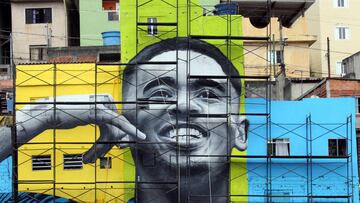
271	146
337	5
108	161
77	167
41	56
278	55
33	21
357	105
337	147
152	30
340	68
41	168
347	33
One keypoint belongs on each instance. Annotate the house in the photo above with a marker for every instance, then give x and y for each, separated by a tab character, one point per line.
351	66
96	17
5	29
337	20
38	24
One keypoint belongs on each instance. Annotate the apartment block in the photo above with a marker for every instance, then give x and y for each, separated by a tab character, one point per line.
337	20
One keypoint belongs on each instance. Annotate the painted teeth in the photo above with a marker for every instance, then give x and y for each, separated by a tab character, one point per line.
184	132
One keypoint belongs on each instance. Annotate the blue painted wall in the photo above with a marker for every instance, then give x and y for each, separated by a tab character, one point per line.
5	176
292	177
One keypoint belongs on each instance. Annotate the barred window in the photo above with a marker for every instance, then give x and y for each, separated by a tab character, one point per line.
73	161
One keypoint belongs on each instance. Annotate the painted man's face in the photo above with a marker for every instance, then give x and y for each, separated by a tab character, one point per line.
190	125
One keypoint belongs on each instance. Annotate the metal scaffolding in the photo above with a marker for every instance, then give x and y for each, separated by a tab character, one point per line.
122	188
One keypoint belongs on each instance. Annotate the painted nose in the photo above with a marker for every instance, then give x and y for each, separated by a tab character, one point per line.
185	107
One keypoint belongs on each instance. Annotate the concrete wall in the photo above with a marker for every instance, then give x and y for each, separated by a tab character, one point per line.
296	51
323	19
94	21
352	66
294	89
36	34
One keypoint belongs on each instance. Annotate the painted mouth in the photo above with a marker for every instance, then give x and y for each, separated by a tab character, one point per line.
185	135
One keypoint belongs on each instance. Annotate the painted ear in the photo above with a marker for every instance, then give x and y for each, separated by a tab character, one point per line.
241	134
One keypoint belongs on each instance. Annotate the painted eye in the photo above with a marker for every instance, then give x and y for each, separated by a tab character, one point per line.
207	94
161	94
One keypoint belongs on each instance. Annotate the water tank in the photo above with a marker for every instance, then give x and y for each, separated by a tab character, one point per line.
111	38
226	9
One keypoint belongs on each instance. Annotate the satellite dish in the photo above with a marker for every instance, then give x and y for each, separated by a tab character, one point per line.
260	22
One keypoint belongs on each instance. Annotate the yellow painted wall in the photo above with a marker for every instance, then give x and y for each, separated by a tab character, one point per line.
37	81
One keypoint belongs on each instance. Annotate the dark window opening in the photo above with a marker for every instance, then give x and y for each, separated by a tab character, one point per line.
109	57
41	162
113	16
337	147
38	15
105	162
73	161
278	147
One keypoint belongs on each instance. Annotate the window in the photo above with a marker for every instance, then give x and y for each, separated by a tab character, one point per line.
152	27
41	162
278	147
38	15
112	6
113	16
73	161
109	57
275	56
38	52
337	147
105	162
357	105
340	68
341	3
342	33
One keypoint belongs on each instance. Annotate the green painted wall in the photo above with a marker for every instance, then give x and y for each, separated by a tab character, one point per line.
94	21
190	21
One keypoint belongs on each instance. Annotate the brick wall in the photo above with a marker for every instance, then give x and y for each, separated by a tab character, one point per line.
6	84
337	88
320	91
341	88
73	59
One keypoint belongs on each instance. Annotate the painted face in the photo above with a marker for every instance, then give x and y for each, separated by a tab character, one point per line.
190	125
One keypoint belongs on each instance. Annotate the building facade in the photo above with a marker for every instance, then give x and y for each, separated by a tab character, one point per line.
290	43
352	66
336	19
97	16
37	25
5	29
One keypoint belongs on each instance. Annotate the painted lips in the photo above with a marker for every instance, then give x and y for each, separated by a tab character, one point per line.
185	135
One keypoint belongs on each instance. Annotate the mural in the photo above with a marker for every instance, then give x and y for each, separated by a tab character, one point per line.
158	116
169	125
